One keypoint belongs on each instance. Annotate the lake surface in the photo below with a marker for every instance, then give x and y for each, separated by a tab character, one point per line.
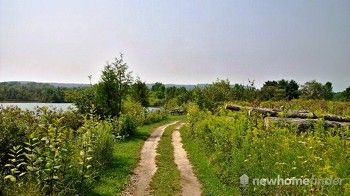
34	106
58	106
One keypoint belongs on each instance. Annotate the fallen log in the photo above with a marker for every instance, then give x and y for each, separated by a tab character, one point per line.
233	107
303	124
265	111
303	114
298	114
178	111
252	110
331	117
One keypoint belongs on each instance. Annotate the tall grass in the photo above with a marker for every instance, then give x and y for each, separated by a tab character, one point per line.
238	144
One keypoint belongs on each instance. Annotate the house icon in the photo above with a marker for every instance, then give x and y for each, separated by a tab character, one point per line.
244	180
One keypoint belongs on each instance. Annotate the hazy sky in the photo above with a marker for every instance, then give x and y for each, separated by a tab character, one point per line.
186	42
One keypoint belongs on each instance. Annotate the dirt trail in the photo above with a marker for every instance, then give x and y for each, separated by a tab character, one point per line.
189	182
140	180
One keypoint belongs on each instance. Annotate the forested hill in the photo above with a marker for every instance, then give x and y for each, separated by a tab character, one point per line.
26	91
34	92
55	84
187	86
158	94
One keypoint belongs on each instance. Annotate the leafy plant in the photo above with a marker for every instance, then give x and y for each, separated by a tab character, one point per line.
16	164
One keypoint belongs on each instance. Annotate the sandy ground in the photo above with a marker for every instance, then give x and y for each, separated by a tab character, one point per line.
140	180
189	182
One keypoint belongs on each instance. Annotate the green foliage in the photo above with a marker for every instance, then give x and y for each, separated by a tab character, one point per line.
210	181
140	93
125	158
16	163
52	158
243	92
315	106
133	115
83	98
346	94
213	95
103	145
236	144
179	96
135	110
216	94
159	90
279	90
125	126
31	91
155	116
328	91
112	88
171	104
205	96
316	90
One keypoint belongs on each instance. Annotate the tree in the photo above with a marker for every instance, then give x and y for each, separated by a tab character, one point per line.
30	91
170	92
140	93
278	90
216	93
159	89
346	93
269	89
328	91
243	92
112	88
292	90
312	90
83	98
183	96
197	96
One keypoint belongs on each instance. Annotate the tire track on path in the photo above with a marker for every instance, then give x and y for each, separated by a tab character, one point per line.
189	182
140	180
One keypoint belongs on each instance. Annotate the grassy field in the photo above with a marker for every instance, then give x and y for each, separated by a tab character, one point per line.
224	146
211	184
166	181
126	155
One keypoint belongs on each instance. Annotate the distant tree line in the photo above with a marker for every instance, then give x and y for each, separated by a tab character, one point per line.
31	92
115	78
212	95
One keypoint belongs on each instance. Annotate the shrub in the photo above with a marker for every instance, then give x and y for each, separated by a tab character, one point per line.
135	111
124	126
103	145
155	116
45	155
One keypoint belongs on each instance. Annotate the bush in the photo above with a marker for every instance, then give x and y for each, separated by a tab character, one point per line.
155	116
103	145
124	126
51	157
135	111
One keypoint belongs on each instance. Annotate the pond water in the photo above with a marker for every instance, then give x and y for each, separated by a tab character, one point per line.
33	106
153	109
